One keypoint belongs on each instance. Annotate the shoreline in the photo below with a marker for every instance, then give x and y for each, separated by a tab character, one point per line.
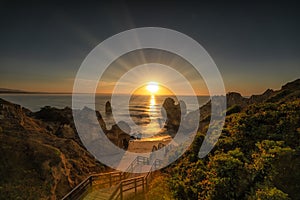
145	145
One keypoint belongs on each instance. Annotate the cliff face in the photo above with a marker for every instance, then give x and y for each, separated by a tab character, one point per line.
235	103
287	93
40	158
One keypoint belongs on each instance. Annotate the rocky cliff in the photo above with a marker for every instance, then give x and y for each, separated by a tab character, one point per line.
41	154
287	93
235	103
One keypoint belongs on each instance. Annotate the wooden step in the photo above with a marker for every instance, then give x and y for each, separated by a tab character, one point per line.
100	194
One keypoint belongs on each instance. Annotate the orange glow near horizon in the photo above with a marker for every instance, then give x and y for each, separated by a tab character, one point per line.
152	89
67	87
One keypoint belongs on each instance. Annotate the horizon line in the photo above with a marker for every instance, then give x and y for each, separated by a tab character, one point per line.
98	93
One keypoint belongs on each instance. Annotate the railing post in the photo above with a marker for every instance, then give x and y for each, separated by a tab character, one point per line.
135	189
91	181
121	191
143	184
110	180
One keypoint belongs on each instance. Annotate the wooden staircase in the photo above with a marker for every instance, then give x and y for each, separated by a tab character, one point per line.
100	194
116	185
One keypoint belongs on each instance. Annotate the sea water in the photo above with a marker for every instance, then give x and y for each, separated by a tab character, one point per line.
142	113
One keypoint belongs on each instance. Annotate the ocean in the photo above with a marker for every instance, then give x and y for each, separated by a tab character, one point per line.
144	111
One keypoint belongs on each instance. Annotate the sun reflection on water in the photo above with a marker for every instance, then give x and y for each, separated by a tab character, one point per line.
152	102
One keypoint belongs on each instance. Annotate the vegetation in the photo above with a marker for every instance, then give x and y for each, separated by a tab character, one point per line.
159	189
256	157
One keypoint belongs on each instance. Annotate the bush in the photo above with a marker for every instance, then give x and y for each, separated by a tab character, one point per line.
268	193
233	109
257	151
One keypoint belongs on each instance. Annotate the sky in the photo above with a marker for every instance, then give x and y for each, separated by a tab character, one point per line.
255	45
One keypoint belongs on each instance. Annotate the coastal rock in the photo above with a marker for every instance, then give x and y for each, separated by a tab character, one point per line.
154	148
60	121
51	114
234	98
172	112
160	145
175	113
119	134
237	103
66	131
289	92
48	165
261	98
108	109
294	85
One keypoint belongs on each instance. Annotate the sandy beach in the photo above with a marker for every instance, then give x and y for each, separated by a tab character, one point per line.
145	145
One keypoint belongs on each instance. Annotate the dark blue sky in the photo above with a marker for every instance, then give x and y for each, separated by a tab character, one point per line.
255	45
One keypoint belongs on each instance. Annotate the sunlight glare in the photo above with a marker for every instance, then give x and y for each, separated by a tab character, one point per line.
152	87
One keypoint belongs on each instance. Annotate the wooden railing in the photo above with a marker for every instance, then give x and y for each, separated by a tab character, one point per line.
128	185
149	177
80	190
124	184
103	180
135	183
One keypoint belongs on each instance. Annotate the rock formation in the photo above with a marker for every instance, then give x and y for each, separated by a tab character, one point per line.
119	134
235	103
108	109
288	92
43	150
41	157
171	111
177	113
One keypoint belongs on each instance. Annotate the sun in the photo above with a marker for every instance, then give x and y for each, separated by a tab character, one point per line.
152	87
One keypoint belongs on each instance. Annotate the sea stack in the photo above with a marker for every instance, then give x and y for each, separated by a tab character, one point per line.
108	109
172	112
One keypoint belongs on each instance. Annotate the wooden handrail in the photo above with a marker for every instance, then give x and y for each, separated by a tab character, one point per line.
111	178
120	189
116	193
80	190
